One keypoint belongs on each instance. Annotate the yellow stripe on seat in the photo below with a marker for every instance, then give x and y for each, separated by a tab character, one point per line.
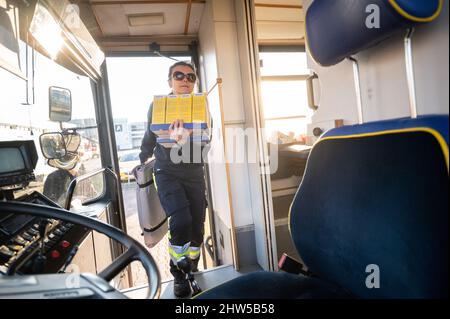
414	18
440	139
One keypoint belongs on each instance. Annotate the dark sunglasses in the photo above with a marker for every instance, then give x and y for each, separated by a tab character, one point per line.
180	76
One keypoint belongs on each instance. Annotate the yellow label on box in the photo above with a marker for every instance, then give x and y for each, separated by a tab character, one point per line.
185	108
199	108
159	109
179	107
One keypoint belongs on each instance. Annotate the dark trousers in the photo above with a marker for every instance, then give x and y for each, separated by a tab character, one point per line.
183	198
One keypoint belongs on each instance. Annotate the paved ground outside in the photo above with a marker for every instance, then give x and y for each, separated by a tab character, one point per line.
160	251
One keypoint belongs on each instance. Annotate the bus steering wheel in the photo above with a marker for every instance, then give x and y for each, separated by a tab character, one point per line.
134	250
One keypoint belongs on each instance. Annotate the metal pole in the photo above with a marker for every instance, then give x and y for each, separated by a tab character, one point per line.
410	73
357	89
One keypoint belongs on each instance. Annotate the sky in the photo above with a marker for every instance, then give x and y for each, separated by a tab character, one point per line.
134	81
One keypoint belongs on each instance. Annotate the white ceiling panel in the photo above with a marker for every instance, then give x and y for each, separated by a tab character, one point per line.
281	2
113	19
279	14
279	20
196	18
174	16
280	30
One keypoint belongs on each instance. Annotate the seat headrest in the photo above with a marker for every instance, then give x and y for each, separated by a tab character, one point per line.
338	29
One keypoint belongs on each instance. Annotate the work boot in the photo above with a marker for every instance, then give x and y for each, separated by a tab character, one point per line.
181	286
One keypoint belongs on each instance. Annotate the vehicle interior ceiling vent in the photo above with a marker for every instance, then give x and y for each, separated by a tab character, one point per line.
139	20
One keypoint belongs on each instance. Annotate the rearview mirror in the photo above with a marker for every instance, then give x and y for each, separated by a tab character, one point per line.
53	145
60	104
72	141
68	162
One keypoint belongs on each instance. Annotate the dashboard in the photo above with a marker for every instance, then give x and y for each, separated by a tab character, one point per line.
31	245
36	250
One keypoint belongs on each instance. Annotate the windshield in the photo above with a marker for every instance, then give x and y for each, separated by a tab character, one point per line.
129	157
25	114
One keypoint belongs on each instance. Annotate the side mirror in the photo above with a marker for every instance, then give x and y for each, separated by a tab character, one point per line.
53	146
66	163
60	104
72	141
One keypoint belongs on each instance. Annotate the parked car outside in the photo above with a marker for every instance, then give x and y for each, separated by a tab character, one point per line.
127	162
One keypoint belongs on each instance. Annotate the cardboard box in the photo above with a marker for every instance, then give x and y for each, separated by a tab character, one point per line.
169	143
159	109
166	142
192	109
179	107
199	108
158	119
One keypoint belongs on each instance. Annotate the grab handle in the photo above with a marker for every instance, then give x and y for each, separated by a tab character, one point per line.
310	89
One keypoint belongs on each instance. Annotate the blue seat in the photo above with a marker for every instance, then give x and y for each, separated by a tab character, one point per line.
332	40
271	285
370	219
372	194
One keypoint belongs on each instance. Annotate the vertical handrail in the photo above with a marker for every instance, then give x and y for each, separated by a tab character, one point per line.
357	89
410	73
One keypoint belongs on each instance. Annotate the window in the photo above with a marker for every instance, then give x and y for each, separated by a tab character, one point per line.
130	157
132	96
9	40
22	119
284	95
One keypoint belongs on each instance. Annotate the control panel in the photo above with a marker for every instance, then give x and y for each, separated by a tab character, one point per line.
32	245
17	180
